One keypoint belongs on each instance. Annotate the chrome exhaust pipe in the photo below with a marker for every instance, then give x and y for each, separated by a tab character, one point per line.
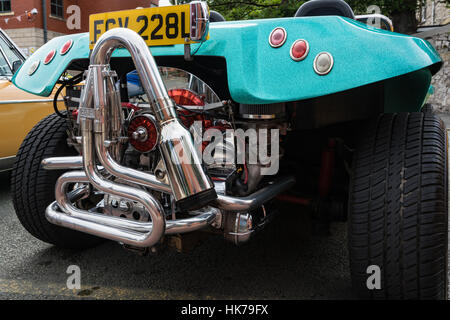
152	206
223	202
63	163
76	163
190	185
256	199
62	212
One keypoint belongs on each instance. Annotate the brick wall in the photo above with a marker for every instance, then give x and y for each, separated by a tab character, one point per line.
29	34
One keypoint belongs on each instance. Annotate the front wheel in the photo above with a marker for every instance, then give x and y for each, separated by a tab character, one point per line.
398	209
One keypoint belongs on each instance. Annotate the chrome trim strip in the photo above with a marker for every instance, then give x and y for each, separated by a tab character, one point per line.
28	101
7	163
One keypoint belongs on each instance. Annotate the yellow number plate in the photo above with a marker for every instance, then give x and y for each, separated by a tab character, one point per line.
158	26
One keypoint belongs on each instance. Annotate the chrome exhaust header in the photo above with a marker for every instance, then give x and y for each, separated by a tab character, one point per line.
223	202
190	185
135	233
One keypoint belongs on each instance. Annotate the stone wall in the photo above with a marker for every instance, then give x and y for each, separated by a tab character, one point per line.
434	12
441	81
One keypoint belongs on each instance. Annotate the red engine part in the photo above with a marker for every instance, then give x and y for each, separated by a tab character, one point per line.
185	97
142	133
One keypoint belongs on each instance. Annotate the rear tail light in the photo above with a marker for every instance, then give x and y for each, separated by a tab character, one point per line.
33	67
323	63
66	47
299	50
49	57
277	37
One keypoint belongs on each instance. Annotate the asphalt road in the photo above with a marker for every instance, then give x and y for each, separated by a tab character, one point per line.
293	264
279	265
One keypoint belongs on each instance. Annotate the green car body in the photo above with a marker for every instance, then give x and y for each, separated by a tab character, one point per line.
258	73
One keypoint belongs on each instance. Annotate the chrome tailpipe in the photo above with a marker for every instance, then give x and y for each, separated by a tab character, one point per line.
190	185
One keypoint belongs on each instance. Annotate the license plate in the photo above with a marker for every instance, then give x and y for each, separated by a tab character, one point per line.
158	26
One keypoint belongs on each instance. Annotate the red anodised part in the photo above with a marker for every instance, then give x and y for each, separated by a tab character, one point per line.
152	135
50	56
299	49
277	37
66	47
186	97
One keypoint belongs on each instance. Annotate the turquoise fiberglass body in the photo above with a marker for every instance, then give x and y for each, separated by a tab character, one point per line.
260	74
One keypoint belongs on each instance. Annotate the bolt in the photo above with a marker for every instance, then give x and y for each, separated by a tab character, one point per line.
124	206
160	174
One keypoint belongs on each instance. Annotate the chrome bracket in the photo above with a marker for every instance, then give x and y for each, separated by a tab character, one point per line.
187	52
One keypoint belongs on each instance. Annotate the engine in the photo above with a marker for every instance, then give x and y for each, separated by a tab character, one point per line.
224	134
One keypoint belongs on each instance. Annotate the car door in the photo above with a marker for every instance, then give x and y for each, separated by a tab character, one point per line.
19	110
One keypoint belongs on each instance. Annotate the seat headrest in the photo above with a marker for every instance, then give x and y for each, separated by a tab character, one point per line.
214	16
325	8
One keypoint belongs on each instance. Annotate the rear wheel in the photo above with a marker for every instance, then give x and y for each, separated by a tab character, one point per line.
398	210
33	188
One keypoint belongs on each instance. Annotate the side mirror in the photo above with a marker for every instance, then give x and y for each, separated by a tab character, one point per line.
376	20
199	20
16	65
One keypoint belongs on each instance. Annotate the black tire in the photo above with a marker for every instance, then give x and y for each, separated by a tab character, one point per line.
428	108
398	210
33	188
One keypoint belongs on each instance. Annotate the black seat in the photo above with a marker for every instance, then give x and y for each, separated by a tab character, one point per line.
214	16
325	8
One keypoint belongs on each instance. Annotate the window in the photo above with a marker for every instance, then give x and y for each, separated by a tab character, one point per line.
9	51
8	57
57	8
5	5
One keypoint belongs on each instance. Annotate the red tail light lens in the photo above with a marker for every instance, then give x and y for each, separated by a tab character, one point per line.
277	37
66	47
299	50
50	57
142	133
